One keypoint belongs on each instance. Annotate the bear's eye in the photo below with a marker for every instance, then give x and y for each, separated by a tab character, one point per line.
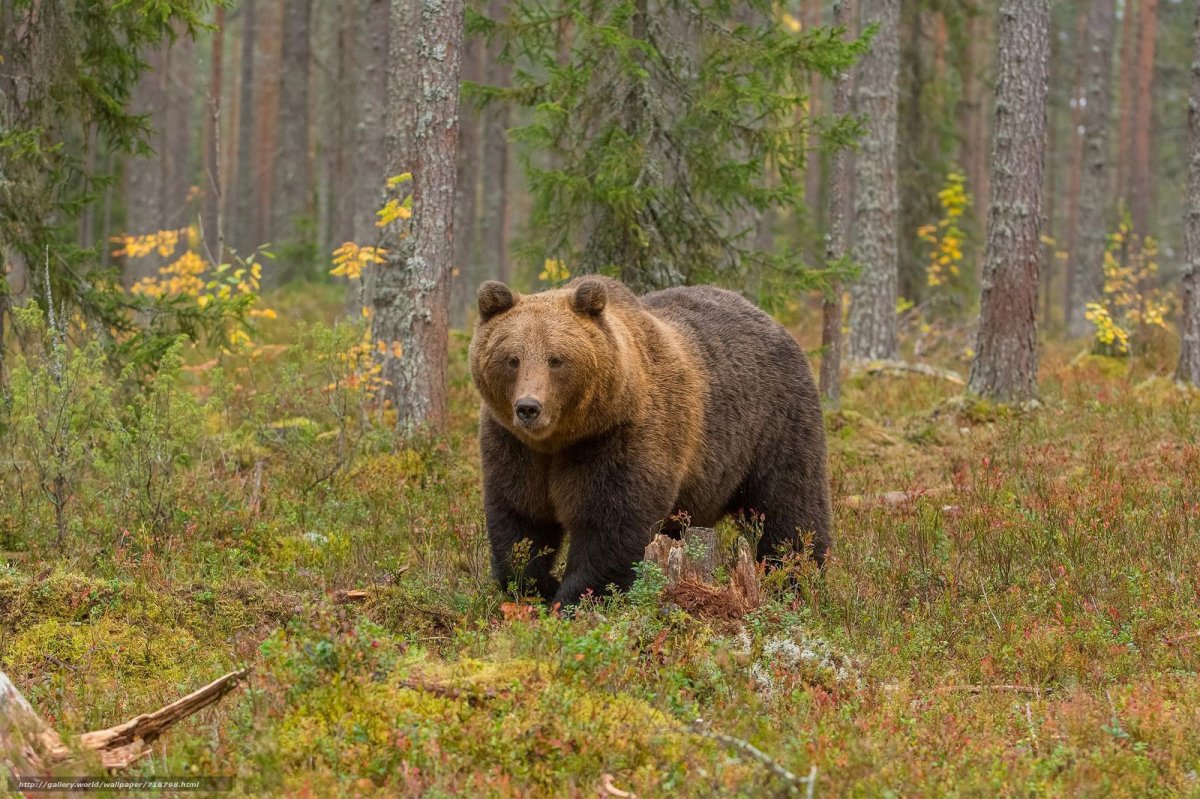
514	362
555	362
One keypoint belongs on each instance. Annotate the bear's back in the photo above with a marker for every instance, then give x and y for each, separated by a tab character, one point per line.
757	377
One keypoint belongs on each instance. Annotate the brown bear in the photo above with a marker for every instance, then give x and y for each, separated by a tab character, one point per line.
605	414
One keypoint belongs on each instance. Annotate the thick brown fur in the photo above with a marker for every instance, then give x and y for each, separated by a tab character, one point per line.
604	414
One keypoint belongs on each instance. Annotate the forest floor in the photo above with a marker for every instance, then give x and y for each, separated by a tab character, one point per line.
1025	620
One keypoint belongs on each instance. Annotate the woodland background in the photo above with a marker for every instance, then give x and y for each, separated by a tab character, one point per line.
240	247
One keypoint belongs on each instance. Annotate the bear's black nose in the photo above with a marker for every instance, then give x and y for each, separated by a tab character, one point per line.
528	409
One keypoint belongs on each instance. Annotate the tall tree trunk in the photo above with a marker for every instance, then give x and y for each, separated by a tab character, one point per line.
370	169
1005	365
1087	257
873	312
293	179
1128	107
1189	352
144	176
412	295
243	204
974	109
1140	187
176	122
210	181
493	233
266	110
464	277
837	239
1075	172
345	109
810	18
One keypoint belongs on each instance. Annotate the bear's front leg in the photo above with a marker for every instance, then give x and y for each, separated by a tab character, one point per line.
611	504
506	529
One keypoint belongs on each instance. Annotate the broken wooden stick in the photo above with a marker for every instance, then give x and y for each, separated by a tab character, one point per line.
793	781
28	745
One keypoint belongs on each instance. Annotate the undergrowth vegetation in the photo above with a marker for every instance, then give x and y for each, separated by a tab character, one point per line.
1011	607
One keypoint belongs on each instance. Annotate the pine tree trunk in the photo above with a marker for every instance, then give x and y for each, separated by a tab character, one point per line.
266	111
974	112
493	233
176	120
210	180
1189	353
810	19
1143	118
293	176
371	159
466	215
1128	107
1005	365
1087	257
873	312
242	209
144	211
837	239
1074	173
413	290
345	110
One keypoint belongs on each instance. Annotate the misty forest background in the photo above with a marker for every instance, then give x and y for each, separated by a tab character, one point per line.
238	436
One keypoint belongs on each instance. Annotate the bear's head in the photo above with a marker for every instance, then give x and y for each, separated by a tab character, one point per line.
551	366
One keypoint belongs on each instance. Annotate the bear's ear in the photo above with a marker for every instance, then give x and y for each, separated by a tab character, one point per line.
590	297
494	298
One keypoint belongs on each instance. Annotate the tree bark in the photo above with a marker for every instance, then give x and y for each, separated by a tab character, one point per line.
1087	257
1140	190
342	150
837	239
413	289
1074	183
243	206
873	310
1125	122
144	174
974	110
466	216
293	178
266	111
211	179
1005	364
493	233
1189	352
371	159
176	120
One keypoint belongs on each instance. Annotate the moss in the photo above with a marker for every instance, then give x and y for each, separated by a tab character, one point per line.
107	649
61	594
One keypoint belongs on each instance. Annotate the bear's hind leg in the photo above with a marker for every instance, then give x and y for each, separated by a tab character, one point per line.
792	499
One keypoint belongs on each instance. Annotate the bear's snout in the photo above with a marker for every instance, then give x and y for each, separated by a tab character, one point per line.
528	410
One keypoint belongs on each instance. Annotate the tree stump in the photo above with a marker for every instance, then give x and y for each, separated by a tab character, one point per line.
690	566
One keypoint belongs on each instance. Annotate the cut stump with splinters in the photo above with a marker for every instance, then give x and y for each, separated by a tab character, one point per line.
28	745
690	569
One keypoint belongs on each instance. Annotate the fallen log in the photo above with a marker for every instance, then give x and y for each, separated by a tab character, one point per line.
889	367
29	746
